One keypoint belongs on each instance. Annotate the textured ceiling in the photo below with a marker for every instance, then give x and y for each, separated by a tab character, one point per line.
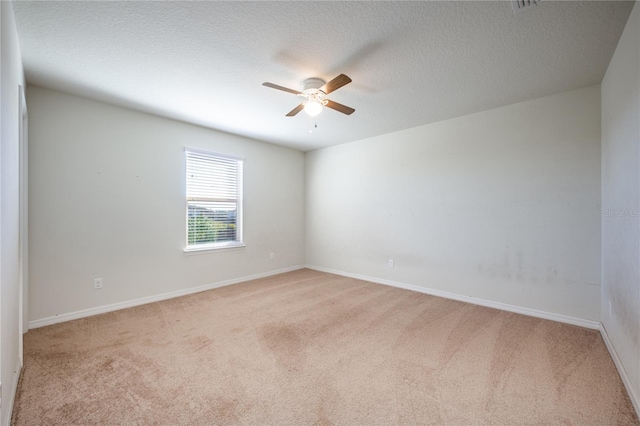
411	63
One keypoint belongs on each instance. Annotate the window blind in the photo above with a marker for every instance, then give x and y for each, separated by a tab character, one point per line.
214	199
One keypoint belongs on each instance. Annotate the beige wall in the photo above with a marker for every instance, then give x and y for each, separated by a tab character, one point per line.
503	205
621	201
107	191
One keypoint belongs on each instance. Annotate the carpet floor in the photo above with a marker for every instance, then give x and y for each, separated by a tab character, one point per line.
309	348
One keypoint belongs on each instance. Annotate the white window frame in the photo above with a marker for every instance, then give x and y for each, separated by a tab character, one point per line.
189	199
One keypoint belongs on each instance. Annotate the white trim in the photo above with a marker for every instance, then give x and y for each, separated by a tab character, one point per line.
150	299
12	395
23	246
206	248
633	396
594	325
214	153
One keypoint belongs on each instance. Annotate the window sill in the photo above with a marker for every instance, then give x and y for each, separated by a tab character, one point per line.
210	248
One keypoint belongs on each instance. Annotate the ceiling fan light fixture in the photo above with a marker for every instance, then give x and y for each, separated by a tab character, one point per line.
313	107
314	91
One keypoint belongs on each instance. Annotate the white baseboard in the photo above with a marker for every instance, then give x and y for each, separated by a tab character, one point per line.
144	300
633	396
594	325
6	421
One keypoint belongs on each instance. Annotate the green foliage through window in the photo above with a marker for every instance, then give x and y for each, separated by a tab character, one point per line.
205	230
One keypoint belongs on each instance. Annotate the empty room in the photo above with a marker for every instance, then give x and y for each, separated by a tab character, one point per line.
320	212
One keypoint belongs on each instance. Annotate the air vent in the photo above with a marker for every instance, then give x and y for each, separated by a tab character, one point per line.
523	4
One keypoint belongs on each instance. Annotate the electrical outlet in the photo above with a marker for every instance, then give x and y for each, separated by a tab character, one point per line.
97	283
390	263
272	256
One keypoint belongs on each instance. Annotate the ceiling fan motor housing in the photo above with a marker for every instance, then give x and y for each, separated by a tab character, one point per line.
313	84
311	91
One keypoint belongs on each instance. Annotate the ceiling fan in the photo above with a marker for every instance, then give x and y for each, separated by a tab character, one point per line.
315	90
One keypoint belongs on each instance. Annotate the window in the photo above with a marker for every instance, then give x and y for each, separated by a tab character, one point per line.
214	200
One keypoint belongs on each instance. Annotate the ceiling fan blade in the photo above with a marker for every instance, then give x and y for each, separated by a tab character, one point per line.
335	84
339	107
275	86
295	110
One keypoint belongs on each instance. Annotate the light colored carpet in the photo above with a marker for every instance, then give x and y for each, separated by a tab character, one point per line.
309	348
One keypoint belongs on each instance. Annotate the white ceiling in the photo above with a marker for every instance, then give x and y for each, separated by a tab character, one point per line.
412	63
